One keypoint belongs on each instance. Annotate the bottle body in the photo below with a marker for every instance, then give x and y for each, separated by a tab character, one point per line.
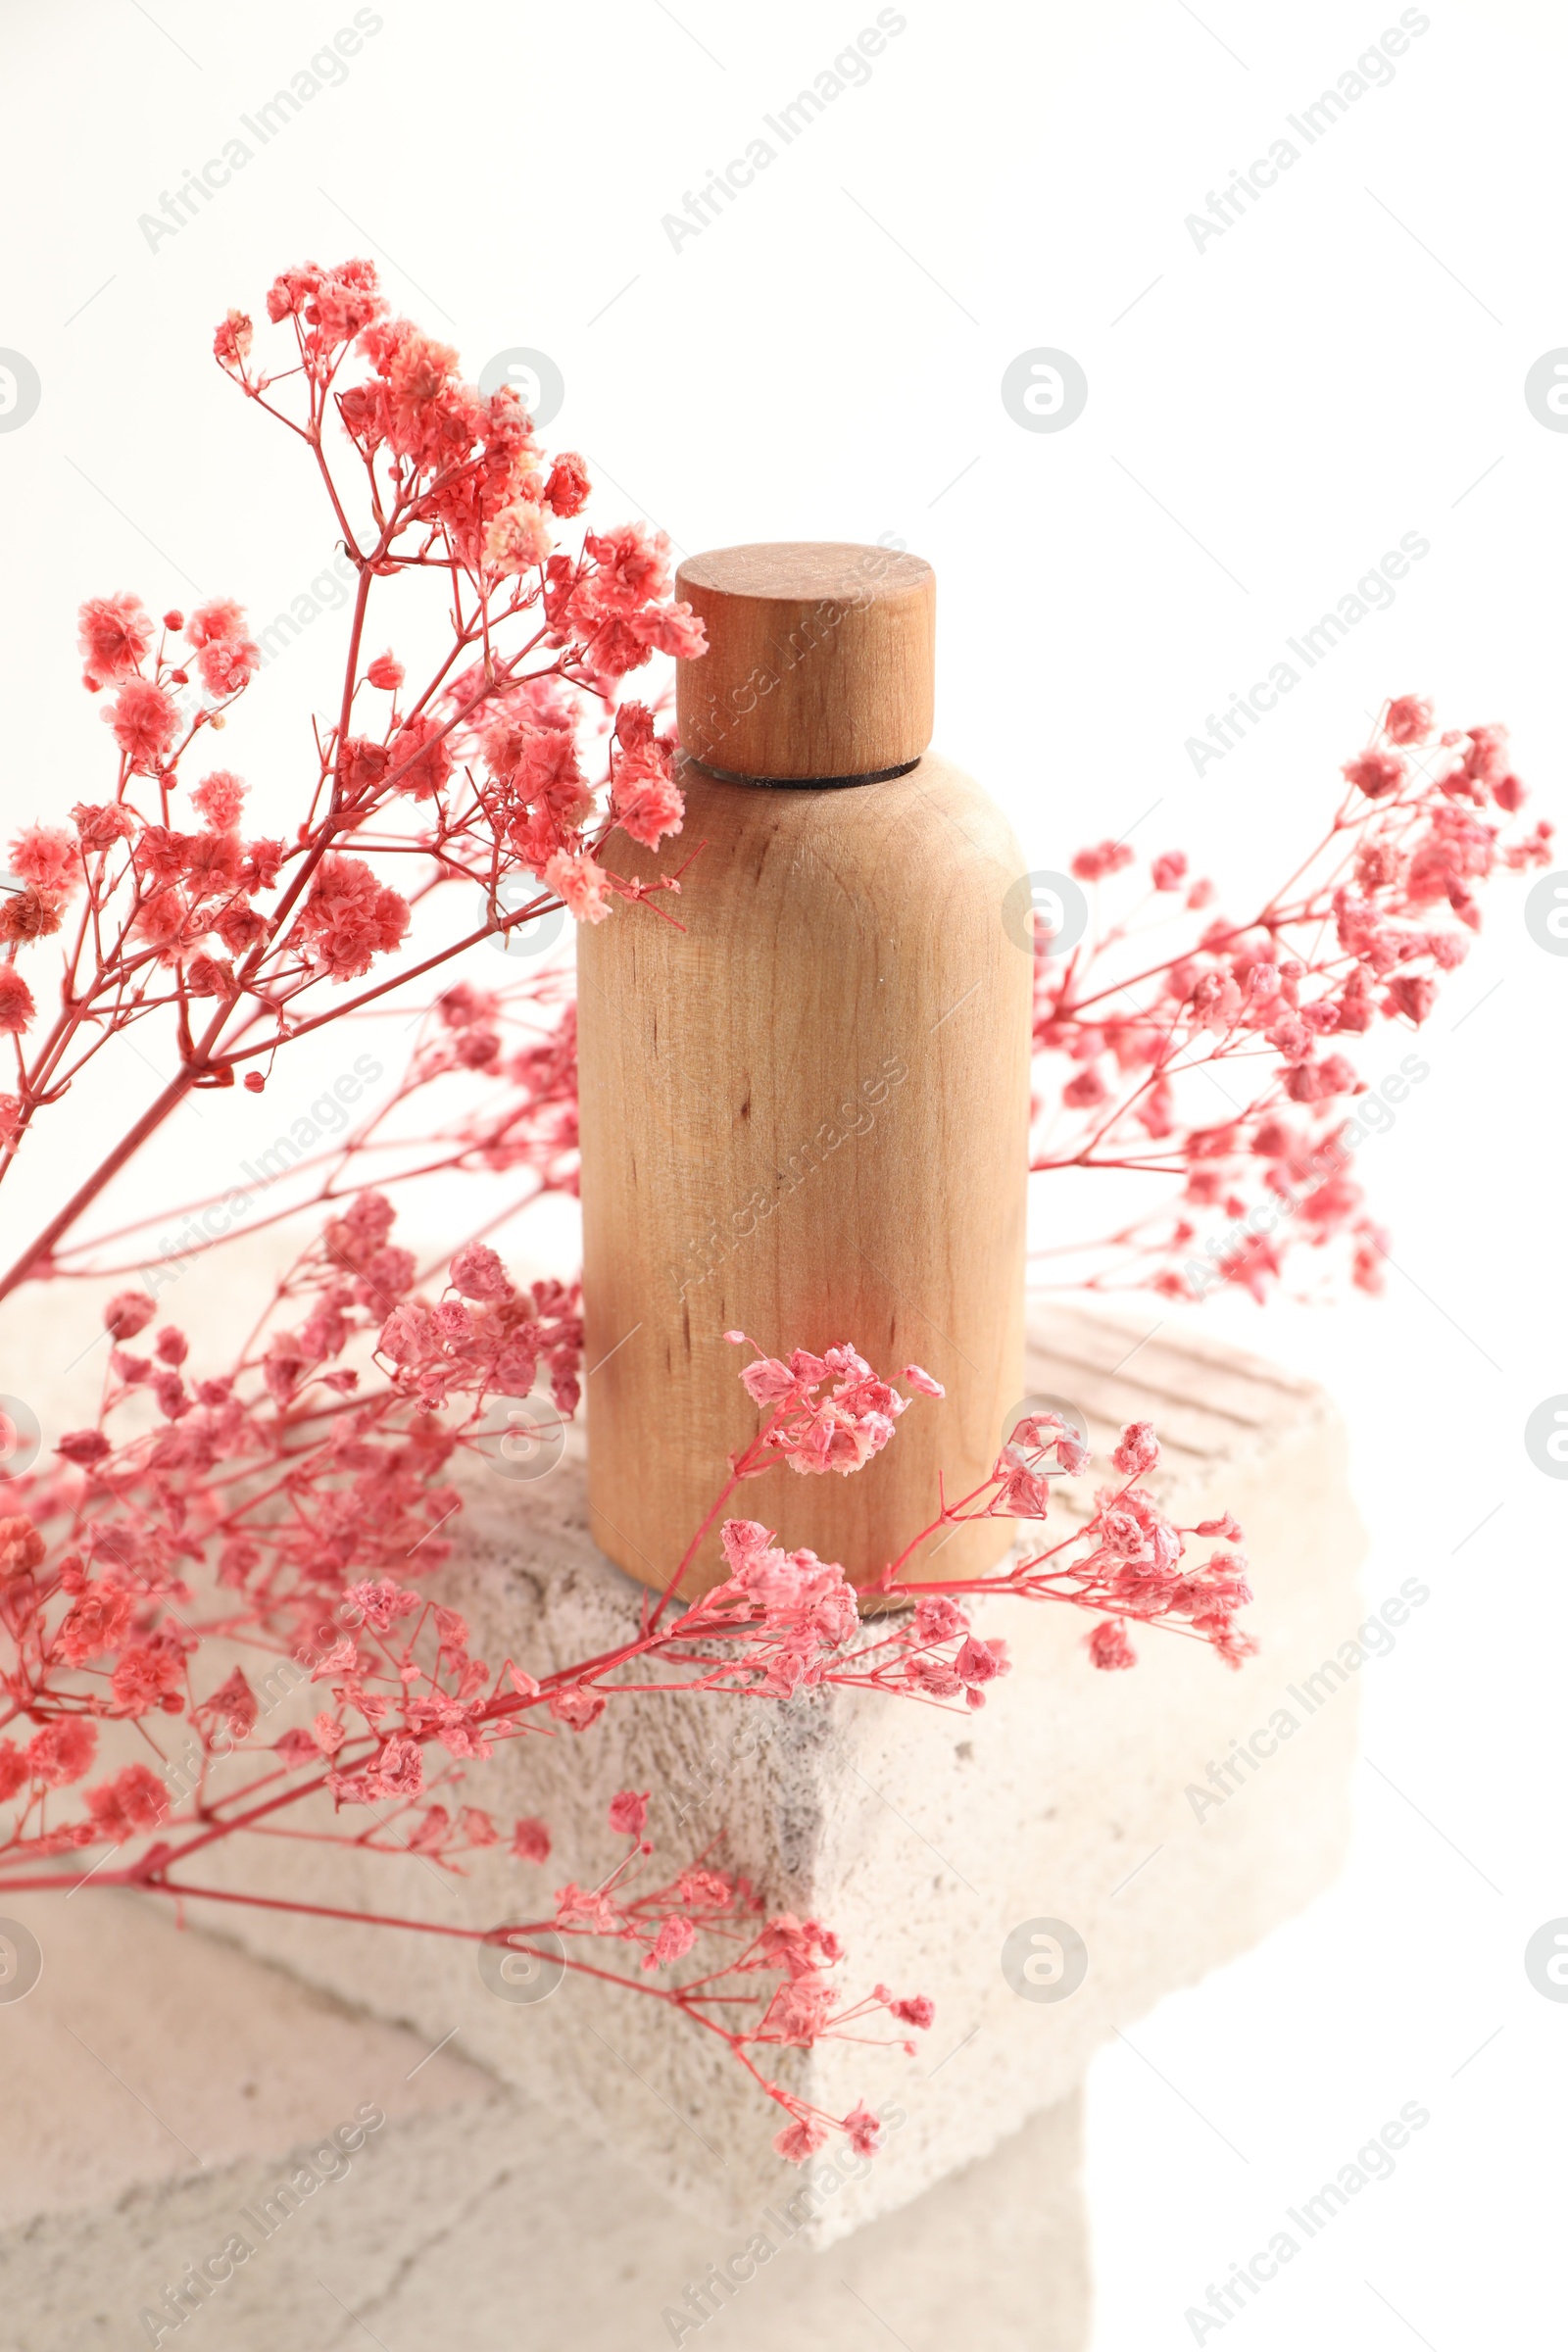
804	1116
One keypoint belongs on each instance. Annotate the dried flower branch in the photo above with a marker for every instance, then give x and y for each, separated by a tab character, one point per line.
473	776
295	1506
1259	1014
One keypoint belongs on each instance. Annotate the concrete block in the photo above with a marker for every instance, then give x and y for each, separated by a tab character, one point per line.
168	2098
925	1840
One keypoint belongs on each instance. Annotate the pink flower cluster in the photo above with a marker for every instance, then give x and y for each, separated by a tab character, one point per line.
490	1337
808	1604
1354	943
350	917
643	794
473	777
839	1431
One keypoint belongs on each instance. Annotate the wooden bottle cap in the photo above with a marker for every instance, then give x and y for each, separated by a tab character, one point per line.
819	663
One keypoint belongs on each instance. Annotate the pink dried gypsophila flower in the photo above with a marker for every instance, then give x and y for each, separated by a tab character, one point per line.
420	757
707	1887
62	1752
231	344
648	804
1139	1451
937	1618
798	2012
478	1273
47	856
234	1704
673	1941
1409	719
579	1710
629	1812
149	1676
114	633
1109	1647
1085	1091
672	629
399	1769
816	1433
227	663
127	1806
934	1678
1376	773
210	624
801	1946
517	539
566	490
82	1446
350	917
380	1602
1105	858
27	914
631	569
145	723
784	1587
17	1007
980	1662
1412	994
219	797
297	1749
582	887
1043	1433
96	1622
587	1908
100	828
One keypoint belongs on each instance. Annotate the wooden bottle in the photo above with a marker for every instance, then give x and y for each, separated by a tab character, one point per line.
804	1114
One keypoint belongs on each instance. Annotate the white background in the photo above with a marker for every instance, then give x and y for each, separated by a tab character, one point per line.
1344	365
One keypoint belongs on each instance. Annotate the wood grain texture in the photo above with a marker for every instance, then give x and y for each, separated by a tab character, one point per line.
821	660
806	1115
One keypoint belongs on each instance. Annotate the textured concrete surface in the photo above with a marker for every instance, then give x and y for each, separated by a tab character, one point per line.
167	2099
924	1839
